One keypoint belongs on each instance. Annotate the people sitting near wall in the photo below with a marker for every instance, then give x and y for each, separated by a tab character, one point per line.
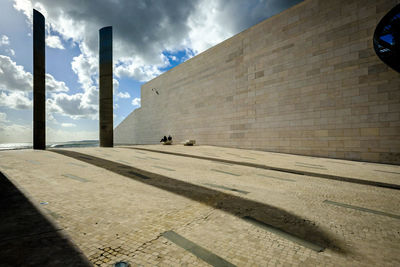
168	141
164	139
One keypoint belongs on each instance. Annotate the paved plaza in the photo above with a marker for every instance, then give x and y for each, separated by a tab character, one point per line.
154	205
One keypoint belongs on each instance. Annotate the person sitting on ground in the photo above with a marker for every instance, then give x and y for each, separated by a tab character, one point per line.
169	141
164	139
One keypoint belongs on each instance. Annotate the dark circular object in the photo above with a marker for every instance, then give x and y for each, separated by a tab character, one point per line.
121	264
387	38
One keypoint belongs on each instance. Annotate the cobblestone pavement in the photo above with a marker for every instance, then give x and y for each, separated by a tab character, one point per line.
118	204
344	168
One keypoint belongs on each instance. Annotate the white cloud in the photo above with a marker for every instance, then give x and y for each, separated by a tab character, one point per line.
10	51
15	100
75	106
136	102
144	29
68	134
15	133
79	105
13	77
54	41
137	69
123	95
50	117
53	85
156	27
15	84
3	117
4	40
85	67
66	124
115	86
25	6
205	26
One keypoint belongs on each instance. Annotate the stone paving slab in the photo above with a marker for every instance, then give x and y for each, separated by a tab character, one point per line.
126	204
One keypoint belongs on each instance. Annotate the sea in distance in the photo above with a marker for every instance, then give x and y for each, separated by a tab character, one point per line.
83	143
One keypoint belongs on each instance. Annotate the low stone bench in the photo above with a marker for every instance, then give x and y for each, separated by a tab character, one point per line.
189	142
169	142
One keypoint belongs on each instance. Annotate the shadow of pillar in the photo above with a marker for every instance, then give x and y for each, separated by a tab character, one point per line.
237	206
27	238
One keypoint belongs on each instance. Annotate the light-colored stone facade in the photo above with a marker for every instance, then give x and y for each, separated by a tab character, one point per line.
306	81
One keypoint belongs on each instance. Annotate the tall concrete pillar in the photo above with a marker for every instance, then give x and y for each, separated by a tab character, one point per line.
39	83
106	88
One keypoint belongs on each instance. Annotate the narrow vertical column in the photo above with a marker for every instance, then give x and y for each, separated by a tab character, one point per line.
106	88
39	83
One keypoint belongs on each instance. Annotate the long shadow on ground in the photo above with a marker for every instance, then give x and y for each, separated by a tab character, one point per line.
234	205
279	169
27	238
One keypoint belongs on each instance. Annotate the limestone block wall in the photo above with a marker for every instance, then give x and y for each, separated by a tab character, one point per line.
306	81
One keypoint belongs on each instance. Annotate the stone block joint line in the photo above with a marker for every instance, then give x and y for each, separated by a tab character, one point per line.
230	173
76	178
227	188
197	250
344	205
273	177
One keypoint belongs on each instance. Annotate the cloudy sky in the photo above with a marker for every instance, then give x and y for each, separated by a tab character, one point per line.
150	37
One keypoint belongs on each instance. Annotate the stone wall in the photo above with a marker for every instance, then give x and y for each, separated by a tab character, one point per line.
306	81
